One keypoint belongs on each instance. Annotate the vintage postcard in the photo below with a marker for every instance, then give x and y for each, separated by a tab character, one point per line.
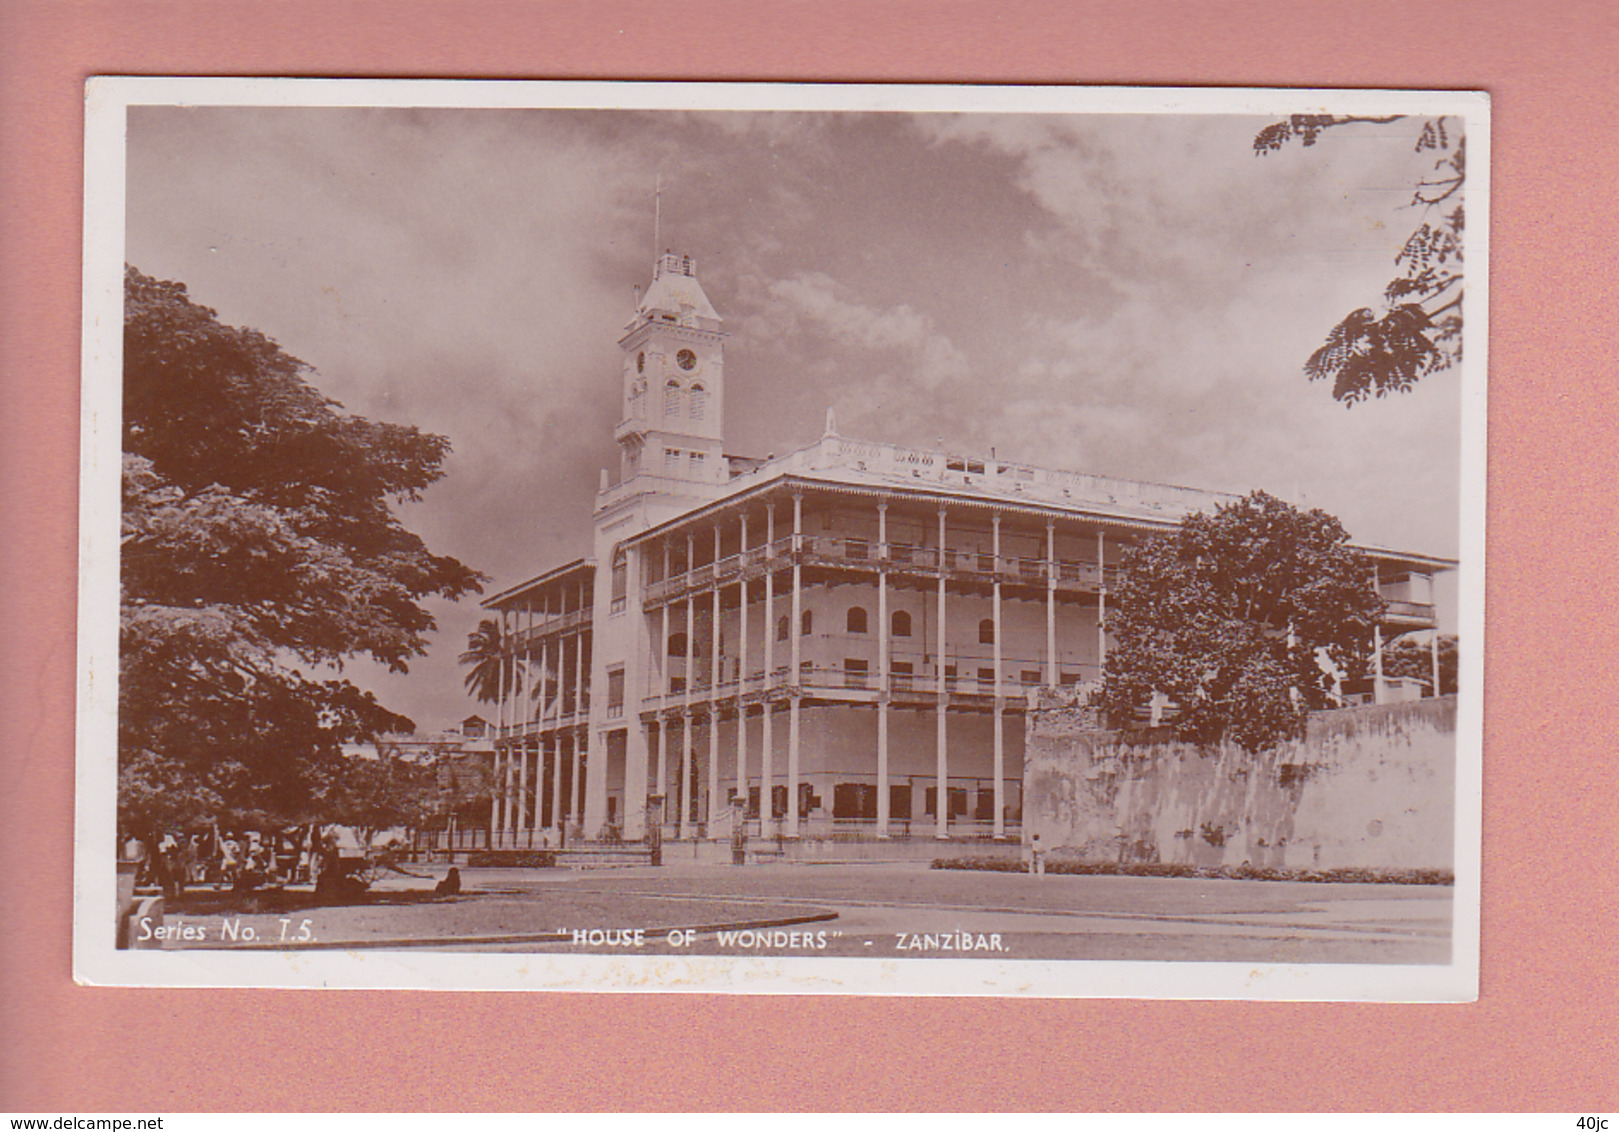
782	538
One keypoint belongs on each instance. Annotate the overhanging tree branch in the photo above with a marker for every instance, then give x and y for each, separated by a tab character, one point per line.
1372	354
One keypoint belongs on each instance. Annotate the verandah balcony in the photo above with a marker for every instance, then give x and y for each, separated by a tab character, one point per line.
966	680
863	555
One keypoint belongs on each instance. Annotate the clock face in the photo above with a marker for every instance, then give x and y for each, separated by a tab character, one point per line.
686	359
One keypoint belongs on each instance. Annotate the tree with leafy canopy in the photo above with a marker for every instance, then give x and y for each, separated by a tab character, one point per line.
260	551
1413	660
1225	616
1419	330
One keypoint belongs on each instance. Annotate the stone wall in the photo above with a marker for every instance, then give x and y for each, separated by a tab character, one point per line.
1367	787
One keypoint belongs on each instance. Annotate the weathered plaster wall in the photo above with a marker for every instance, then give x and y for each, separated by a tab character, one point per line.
1368	787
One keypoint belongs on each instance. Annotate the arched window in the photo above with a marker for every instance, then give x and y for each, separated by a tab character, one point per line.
699	402
806	621
677	644
900	623
986	631
856	620
671	399
621	580
781	627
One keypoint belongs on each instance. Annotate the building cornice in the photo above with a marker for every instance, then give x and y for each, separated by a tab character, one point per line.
581	566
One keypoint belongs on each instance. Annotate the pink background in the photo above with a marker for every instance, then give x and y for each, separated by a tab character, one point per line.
1542	1034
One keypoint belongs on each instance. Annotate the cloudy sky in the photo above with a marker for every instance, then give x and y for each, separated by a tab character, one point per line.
1125	294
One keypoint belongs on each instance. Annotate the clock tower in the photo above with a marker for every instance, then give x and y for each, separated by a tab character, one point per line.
674	382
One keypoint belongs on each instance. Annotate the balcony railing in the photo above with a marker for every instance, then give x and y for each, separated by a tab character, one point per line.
552	625
1410	610
863	555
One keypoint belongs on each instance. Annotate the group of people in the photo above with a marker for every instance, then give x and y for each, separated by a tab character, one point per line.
234	859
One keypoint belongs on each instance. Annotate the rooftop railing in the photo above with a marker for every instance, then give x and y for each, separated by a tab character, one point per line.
866	556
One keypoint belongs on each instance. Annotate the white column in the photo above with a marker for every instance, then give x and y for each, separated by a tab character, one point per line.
1051	605
545	682
1000	699
507	710
1101	597
767	754
663	643
1377	648
497	813
636	746
1433	648
508	826
581	688
883	688
576	779
714	700
564	767
539	715
742	671
687	716
529	693
522	785
550	721
941	808
581	677
796	635
684	793
551	752
662	667
494	799
498	824
663	759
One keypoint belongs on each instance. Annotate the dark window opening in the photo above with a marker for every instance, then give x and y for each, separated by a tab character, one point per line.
900	672
958	801
900	623
899	803
854	800
856	620
986	631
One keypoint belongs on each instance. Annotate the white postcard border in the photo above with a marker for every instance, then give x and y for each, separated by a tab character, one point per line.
96	962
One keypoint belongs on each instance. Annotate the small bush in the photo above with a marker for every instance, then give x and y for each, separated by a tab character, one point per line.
512	859
1222	872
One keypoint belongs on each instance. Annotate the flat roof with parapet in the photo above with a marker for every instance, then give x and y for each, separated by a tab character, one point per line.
863	467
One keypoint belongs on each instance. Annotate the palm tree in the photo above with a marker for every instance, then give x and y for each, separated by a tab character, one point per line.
486	653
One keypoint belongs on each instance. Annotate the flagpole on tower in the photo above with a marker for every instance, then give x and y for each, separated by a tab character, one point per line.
657	219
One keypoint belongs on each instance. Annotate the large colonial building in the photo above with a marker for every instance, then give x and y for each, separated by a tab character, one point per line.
832	644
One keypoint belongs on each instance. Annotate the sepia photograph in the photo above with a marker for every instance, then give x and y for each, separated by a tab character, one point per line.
782	539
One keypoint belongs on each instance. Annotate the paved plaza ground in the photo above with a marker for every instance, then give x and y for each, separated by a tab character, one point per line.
871	910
